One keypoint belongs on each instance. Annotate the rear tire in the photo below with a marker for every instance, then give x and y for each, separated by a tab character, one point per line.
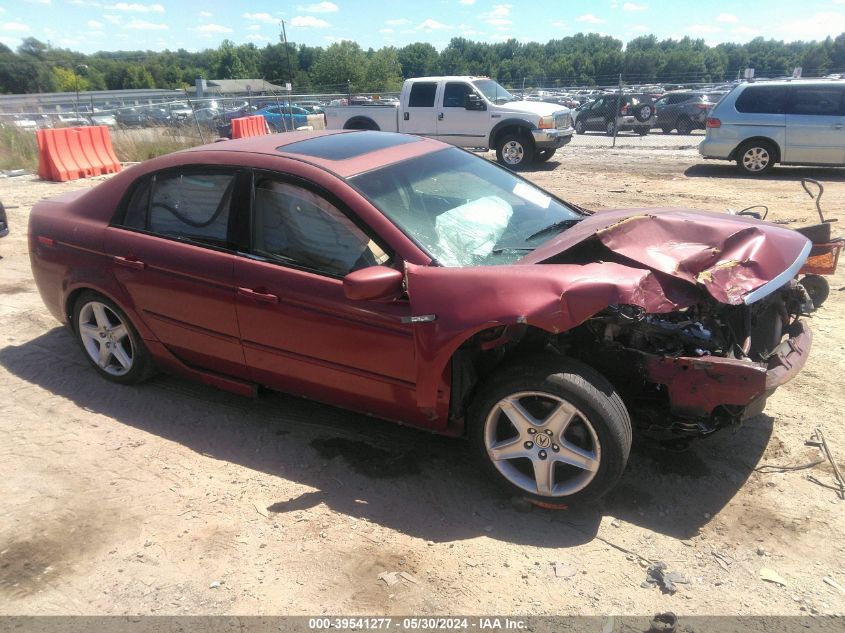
580	126
684	127
643	131
109	340
817	287
551	429
756	158
514	151
610	127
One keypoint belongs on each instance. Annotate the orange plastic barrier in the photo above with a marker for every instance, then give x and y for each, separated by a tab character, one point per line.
249	126
75	152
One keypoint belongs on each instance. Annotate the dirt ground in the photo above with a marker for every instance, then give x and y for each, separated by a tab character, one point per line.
175	498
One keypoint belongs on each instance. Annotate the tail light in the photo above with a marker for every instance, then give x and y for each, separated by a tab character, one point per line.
713	123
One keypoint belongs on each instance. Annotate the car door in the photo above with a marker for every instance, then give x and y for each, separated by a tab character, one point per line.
815	124
456	124
170	249
418	114
300	333
595	115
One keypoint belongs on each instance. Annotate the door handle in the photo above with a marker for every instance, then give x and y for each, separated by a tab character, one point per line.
130	262
406	116
257	295
440	116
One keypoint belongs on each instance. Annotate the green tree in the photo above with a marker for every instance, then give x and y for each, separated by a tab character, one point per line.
384	73
341	62
418	59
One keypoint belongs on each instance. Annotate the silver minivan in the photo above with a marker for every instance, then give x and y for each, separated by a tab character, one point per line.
796	122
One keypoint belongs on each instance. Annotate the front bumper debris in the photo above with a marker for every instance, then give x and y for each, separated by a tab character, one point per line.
697	385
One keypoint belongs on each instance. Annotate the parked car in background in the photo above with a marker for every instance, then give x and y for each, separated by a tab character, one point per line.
612	113
104	119
4	221
312	107
405	278
283	118
682	111
788	122
468	112
131	117
158	116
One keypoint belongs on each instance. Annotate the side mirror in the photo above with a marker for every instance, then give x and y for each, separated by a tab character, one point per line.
474	102
372	283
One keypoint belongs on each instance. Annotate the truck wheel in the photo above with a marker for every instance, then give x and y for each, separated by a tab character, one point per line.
514	152
544	154
551	429
643	113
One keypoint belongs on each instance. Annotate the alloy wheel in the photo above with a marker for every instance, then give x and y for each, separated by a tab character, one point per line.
542	444
106	338
756	159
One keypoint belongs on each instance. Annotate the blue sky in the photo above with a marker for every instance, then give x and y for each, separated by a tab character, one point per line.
91	25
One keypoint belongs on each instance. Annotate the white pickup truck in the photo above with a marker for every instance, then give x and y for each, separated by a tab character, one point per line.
467	112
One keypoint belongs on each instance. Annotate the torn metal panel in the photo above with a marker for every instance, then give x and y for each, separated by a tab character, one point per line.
555	298
729	256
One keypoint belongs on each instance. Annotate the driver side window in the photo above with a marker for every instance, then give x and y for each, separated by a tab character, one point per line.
295	226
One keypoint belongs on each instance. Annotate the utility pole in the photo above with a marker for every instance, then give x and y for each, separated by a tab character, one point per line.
290	75
76	78
618	108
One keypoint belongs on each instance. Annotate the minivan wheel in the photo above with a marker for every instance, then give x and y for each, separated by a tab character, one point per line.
551	429
755	157
110	341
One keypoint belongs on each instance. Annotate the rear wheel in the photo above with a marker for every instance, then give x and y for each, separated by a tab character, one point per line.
756	157
684	126
610	127
514	152
110	341
817	287
544	154
643	130
642	113
551	429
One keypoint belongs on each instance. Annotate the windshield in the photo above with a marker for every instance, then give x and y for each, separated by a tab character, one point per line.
464	210
493	91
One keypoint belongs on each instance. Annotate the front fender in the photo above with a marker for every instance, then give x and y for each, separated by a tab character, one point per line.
451	304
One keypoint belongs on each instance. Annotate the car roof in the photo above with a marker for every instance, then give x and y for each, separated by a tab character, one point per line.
793	82
342	152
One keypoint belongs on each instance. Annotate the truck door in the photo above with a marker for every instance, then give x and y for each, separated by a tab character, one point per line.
418	114
455	123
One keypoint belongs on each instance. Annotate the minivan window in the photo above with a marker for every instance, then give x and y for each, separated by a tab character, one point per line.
762	100
818	100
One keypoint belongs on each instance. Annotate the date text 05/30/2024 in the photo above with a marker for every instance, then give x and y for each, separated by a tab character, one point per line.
416	624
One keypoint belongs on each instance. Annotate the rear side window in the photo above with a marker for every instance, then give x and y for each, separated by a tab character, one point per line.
819	101
762	100
192	206
422	95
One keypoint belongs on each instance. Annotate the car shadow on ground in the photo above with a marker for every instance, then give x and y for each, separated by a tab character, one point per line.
730	170
403	479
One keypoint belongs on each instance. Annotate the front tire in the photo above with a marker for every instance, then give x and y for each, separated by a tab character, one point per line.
817	287
514	152
756	158
110	341
551	429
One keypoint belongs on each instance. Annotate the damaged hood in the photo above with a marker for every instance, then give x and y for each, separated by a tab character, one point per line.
736	259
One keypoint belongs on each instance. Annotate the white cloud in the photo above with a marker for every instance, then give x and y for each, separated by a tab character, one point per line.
727	17
253	27
501	38
630	6
814	27
397	21
560	24
93	24
15	27
141	25
260	17
432	25
308	21
256	37
473	1
499	16
385	30
111	18
40	1
638	28
205	14
590	19
701	29
212	28
745	31
319	7
136	7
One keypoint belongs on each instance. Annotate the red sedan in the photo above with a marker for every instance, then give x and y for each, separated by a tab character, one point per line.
416	282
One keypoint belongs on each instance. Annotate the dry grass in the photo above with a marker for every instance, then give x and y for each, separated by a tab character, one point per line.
18	149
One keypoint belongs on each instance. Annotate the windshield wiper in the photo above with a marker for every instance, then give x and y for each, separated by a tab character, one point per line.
557	226
500	249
